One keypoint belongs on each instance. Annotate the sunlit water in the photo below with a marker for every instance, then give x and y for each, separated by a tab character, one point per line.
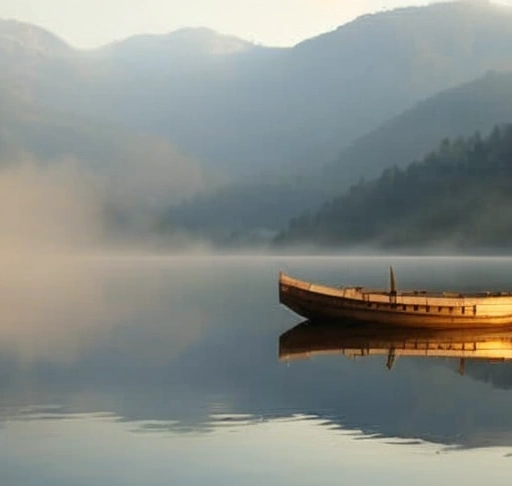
164	370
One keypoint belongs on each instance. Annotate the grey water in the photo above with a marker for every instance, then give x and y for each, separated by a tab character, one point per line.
141	370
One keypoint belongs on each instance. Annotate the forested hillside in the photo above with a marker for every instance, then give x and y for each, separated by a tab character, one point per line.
267	205
478	105
458	196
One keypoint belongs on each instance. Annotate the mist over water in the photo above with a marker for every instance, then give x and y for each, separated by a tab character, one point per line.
53	209
129	354
53	300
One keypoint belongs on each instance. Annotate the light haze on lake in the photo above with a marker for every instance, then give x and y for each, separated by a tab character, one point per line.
164	370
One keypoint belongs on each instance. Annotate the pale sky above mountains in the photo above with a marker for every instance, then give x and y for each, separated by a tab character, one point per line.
91	23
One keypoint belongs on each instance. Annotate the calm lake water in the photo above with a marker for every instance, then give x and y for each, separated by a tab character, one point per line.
166	371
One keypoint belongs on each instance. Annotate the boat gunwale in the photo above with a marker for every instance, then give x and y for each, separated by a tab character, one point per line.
366	293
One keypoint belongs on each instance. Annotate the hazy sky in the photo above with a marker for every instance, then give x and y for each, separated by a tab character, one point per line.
89	23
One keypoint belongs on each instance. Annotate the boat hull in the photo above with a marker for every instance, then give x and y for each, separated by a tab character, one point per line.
316	302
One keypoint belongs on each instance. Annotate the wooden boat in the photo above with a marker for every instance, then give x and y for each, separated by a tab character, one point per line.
353	341
391	307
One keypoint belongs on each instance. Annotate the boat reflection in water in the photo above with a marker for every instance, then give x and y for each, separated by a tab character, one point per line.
355	340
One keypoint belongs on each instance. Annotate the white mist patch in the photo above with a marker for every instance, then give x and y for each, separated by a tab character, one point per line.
63	287
47	215
53	209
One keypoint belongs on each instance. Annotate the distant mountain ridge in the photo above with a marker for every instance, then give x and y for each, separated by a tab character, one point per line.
289	127
255	109
18	36
194	41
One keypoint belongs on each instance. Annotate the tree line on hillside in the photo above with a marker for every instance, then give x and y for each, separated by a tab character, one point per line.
459	195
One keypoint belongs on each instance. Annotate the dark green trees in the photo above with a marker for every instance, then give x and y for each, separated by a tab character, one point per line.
460	194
